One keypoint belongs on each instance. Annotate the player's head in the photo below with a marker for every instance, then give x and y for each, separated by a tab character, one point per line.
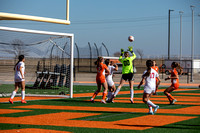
99	60
21	58
149	63
154	63
107	62
126	54
174	65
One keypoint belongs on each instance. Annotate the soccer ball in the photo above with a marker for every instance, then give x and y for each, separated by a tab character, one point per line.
131	38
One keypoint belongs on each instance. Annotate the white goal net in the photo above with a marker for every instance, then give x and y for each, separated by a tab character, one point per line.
48	61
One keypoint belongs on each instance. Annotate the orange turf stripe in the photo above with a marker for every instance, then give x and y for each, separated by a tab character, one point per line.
124	92
195	109
32	130
84	108
63	119
9	111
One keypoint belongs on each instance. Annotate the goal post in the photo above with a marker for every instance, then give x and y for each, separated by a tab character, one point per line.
54	47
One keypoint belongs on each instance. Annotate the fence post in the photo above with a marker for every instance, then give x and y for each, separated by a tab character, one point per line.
78	55
96	49
90	57
106	49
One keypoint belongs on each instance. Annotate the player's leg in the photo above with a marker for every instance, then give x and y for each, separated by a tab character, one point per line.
110	89
169	96
96	92
131	82
145	99
109	93
113	92
14	92
105	86
23	91
122	81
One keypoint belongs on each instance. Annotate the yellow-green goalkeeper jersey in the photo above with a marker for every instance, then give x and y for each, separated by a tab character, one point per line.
127	64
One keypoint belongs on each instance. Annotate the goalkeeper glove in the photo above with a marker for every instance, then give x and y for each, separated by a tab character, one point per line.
122	51
130	48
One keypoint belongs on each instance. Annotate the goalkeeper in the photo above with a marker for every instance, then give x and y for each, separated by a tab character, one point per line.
127	71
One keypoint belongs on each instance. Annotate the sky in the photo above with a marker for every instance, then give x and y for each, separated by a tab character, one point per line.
112	21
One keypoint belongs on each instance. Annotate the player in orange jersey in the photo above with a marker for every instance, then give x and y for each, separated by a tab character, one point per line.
100	79
155	67
175	82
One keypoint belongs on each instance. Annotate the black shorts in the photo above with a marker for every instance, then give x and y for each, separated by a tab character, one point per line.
128	77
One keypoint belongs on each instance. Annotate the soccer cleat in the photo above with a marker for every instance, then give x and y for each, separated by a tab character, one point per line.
103	101
132	100
92	100
23	101
150	113
156	108
113	101
11	100
173	101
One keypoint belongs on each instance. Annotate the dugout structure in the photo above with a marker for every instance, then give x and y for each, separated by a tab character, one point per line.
56	48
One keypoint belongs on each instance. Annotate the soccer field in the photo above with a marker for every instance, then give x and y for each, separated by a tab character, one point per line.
80	115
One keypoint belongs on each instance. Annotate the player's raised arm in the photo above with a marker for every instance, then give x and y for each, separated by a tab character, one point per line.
130	48
122	52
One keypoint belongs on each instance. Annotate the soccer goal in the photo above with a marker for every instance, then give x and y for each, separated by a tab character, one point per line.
48	61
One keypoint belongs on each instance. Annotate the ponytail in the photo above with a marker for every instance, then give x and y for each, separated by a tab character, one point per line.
149	64
98	61
21	57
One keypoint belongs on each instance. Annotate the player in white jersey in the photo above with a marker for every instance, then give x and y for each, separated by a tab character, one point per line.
109	78
149	76
19	79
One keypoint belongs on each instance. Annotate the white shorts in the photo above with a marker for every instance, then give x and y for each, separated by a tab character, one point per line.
19	79
149	90
110	83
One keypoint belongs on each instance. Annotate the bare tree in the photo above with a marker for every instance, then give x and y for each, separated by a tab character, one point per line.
140	53
17	47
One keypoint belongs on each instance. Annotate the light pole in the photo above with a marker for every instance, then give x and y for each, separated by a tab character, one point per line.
181	13
192	43
169	33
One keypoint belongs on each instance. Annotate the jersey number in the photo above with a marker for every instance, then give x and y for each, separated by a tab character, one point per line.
152	75
126	63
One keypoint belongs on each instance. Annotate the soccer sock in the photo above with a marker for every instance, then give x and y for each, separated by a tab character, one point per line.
95	94
23	95
13	94
171	97
132	93
151	104
150	108
104	96
117	91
